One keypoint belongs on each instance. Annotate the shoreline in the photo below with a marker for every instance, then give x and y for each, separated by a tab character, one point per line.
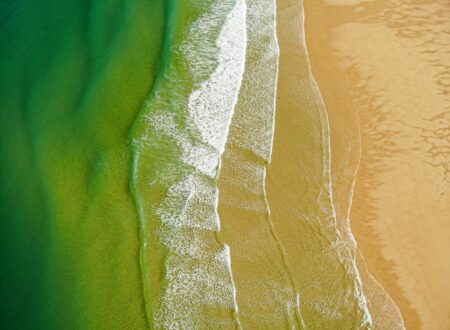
344	47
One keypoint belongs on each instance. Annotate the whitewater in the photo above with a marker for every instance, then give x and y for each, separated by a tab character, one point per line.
214	103
198	289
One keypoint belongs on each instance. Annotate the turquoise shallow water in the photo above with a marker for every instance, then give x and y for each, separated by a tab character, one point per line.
74	76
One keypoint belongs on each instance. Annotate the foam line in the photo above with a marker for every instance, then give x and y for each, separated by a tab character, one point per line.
361	298
189	213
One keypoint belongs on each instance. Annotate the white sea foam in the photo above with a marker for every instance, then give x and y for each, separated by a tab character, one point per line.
253	125
252	128
211	106
227	258
190	203
198	267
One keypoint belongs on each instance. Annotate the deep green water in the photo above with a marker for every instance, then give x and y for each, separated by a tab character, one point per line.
74	75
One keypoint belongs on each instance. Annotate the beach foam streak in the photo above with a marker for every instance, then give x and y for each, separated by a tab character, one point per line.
198	289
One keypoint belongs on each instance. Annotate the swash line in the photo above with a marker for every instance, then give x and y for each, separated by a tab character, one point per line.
133	184
347	219
362	300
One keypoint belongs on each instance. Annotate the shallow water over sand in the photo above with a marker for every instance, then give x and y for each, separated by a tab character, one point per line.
391	59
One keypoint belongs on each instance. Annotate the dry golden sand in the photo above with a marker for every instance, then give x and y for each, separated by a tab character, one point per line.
386	63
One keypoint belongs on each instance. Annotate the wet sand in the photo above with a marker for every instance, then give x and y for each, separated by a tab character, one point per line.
383	71
263	289
290	250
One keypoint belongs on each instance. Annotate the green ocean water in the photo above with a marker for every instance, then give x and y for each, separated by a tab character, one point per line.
74	77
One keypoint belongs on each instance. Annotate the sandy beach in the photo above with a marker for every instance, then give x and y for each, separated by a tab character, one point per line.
383	70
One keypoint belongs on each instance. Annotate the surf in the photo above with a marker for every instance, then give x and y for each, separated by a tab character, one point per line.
186	124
